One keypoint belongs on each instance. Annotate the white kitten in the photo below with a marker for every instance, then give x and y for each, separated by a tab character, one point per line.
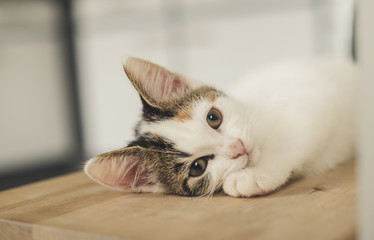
194	140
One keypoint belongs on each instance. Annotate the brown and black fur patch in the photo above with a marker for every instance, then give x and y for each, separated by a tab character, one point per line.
180	108
150	141
171	165
184	114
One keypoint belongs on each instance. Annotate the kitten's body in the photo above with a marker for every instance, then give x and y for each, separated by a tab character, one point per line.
286	120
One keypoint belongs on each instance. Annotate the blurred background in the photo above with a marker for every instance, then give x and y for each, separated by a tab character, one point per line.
64	96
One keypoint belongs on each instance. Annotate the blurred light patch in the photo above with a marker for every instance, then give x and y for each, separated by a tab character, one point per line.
35	122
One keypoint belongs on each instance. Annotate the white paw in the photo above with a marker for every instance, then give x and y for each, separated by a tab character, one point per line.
242	184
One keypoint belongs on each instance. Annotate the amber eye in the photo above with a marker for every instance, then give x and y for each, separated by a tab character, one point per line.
199	165
214	118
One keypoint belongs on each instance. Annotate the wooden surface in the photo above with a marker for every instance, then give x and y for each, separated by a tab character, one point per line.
74	207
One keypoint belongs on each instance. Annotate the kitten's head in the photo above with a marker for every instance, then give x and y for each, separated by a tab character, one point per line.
189	139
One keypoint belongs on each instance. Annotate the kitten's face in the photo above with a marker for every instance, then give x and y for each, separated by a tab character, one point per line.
189	139
211	137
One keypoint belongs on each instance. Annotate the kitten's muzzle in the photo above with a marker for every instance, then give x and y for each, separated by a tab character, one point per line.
231	147
237	149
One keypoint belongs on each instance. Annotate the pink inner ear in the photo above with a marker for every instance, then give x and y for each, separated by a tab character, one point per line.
163	85
159	83
179	85
119	173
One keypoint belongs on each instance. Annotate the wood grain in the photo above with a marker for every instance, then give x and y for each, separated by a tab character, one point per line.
74	207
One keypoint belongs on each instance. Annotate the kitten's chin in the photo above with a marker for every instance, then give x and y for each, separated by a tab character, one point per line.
249	160
243	162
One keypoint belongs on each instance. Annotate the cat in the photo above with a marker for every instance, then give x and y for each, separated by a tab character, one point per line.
294	119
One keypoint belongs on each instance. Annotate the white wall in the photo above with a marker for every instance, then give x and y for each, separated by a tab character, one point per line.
34	116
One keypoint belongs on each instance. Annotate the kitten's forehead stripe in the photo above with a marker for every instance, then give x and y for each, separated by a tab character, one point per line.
212	98
158	143
203	92
152	114
147	140
180	108
183	114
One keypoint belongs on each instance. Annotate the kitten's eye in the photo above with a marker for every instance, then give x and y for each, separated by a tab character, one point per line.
214	118
198	167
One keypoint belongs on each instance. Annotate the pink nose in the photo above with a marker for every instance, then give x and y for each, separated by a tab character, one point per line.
237	149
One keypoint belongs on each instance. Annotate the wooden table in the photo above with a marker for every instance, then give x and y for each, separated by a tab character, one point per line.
74	207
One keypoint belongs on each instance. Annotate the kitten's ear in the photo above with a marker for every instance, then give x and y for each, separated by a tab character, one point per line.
154	83
123	169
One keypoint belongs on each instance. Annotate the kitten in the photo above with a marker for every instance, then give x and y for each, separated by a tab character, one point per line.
292	119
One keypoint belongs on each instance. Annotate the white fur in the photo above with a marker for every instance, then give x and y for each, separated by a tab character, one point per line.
292	118
305	123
